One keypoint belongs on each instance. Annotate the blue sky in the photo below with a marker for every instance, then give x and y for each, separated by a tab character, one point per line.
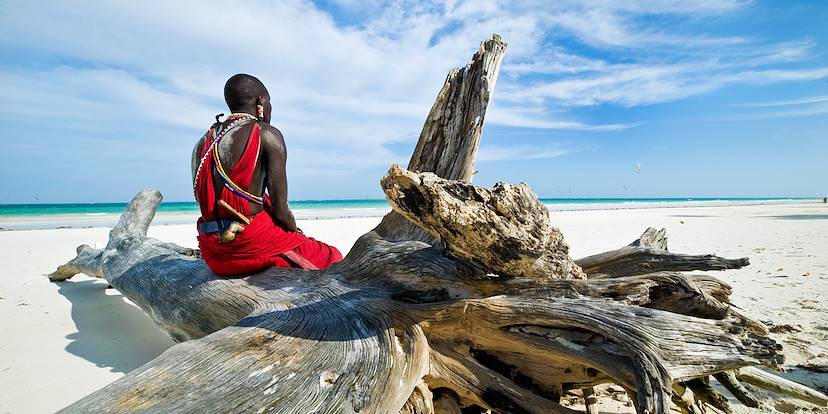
714	98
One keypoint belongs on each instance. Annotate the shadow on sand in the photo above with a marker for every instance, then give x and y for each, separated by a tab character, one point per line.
111	332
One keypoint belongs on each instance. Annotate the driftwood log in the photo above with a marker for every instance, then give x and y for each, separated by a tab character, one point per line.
463	299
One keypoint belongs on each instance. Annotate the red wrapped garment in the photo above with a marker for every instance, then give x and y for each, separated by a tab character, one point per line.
260	246
262	242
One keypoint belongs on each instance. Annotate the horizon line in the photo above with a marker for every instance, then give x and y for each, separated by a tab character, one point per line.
685	198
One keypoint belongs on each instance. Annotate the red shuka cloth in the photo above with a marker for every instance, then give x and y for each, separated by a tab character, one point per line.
262	242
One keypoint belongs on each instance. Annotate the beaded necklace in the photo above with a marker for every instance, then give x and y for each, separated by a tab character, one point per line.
233	187
215	134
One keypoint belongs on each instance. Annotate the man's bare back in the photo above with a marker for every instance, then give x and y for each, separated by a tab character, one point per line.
270	171
230	183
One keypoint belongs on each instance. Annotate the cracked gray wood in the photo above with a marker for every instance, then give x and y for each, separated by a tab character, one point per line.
412	314
649	254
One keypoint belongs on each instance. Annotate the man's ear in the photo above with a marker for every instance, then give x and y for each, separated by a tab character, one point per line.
259	108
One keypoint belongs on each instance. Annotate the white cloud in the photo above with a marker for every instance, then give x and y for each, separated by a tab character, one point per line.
612	24
639	84
348	87
518	152
789	108
794	113
534	117
89	99
788	102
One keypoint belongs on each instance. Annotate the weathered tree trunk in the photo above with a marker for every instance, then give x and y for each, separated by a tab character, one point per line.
649	254
461	297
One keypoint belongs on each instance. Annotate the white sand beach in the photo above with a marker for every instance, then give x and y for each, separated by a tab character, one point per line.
61	341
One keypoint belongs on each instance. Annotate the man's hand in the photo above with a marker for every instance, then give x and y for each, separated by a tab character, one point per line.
275	162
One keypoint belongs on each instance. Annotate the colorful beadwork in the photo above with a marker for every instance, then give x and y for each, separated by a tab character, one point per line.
215	134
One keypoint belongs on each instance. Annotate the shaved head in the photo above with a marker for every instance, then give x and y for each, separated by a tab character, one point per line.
242	90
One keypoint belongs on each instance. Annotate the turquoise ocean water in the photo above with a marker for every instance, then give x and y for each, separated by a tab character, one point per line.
7	210
84	215
167	207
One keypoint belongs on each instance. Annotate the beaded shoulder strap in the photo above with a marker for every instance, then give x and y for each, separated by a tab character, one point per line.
216	133
232	186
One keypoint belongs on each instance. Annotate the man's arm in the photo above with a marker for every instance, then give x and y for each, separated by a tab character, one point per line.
275	158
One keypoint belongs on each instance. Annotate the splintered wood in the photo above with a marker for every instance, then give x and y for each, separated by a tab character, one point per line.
463	298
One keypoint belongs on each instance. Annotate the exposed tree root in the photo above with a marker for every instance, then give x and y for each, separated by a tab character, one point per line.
462	297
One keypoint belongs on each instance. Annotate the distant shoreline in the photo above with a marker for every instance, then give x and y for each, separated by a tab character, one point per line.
92	209
59	216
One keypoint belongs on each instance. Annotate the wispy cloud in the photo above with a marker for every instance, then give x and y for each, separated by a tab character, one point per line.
375	69
529	116
787	102
783	108
644	85
519	152
791	108
794	113
352	79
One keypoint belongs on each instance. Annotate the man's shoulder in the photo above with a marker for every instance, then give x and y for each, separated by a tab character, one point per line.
202	139
199	144
271	135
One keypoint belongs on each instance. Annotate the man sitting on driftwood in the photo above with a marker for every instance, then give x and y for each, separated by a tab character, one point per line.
240	184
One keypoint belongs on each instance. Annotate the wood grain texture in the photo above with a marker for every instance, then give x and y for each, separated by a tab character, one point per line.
731	383
87	261
451	135
505	228
416	318
649	254
768	381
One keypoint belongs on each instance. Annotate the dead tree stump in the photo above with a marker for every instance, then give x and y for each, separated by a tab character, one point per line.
460	297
